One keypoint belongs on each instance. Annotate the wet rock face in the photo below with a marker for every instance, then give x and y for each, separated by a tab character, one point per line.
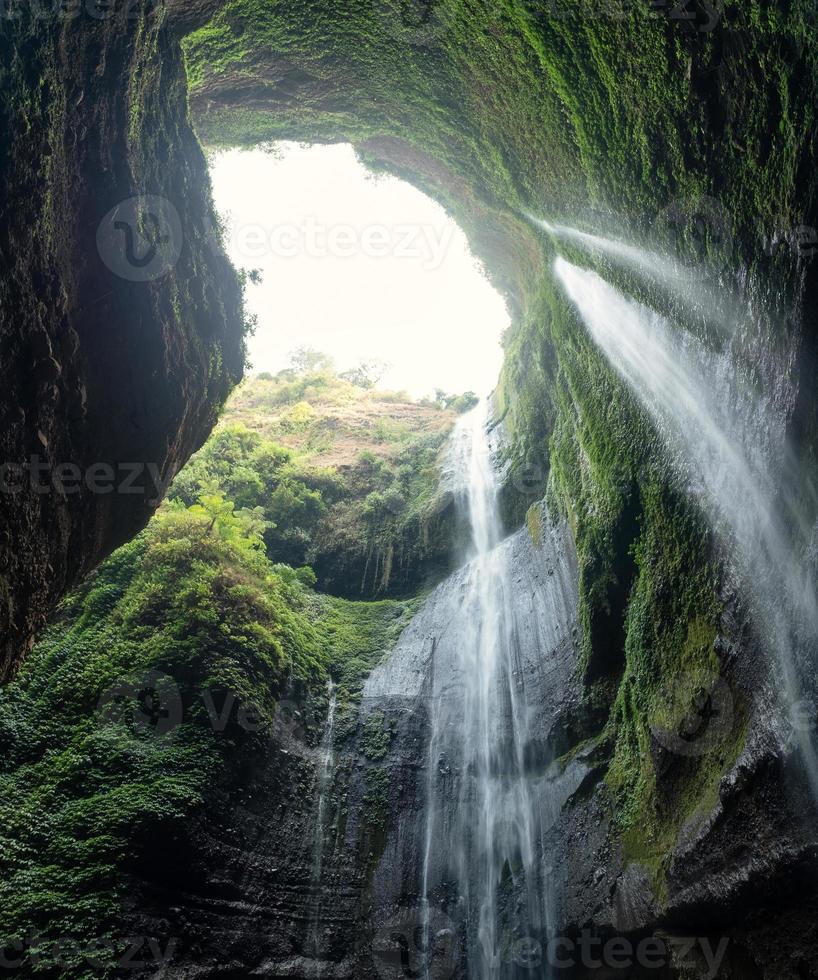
120	318
240	895
240	892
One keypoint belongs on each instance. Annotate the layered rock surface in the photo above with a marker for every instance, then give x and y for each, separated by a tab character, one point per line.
115	360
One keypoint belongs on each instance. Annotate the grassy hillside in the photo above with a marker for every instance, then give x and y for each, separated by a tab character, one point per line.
348	478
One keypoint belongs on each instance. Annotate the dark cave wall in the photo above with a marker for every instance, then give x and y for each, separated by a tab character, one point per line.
105	362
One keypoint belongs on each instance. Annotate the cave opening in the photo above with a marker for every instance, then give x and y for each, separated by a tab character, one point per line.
359	266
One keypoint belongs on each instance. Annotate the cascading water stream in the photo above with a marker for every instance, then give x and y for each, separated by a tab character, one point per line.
323	784
483	830
686	285
718	437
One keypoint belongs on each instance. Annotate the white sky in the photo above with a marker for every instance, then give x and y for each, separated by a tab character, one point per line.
358	267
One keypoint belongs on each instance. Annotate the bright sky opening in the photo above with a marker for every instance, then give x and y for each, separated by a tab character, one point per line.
359	267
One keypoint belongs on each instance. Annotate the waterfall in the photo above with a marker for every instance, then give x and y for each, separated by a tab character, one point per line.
483	857
687	286
323	785
727	443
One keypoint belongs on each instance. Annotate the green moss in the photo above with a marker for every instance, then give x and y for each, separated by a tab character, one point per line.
376	737
533	519
673	709
376	795
191	609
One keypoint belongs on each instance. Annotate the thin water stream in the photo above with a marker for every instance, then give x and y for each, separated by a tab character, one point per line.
687	285
324	784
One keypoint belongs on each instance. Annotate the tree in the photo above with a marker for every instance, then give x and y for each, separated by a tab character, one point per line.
308	360
366	374
460	403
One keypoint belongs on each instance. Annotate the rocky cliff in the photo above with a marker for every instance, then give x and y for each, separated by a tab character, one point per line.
121	319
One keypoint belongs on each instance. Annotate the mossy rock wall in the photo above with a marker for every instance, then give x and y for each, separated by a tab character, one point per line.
571	111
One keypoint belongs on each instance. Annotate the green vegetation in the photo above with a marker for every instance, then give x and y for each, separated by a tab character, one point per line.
566	110
376	795
169	663
376	737
347	476
168	659
649	586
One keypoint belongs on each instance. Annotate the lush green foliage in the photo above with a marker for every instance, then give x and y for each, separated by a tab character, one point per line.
192	615
347	477
503	108
170	660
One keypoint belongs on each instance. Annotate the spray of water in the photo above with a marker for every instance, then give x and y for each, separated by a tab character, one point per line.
722	442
